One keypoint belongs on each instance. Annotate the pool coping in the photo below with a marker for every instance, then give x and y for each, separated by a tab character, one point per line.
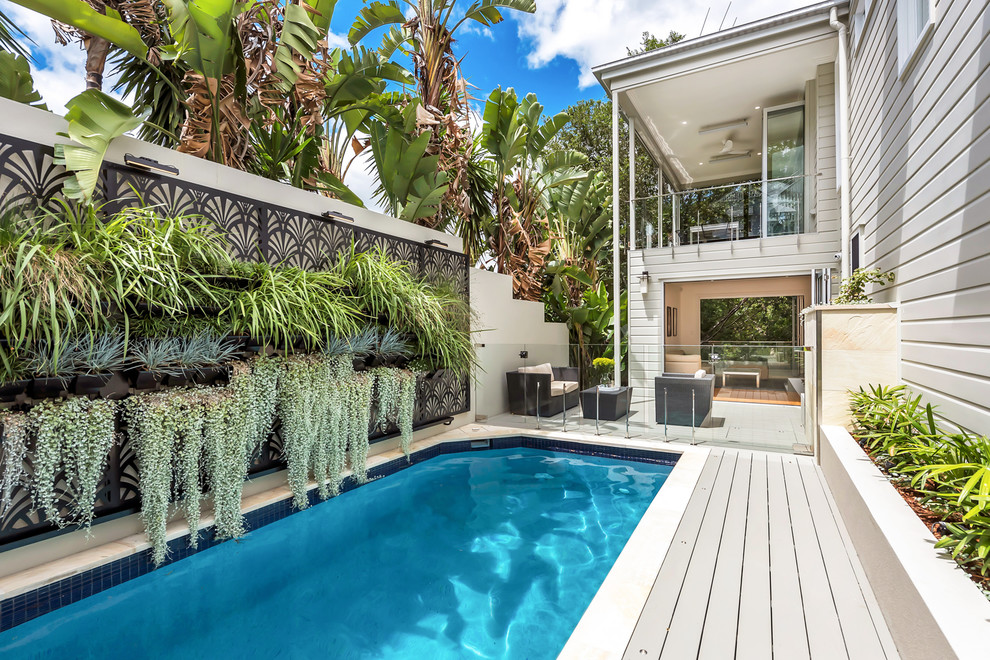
603	631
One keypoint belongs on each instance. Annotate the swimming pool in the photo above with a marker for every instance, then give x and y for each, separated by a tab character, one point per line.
491	554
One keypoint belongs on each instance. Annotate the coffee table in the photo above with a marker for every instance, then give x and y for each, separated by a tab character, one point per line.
614	403
740	372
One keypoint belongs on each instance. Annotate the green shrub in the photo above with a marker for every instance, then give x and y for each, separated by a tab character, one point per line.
949	471
853	289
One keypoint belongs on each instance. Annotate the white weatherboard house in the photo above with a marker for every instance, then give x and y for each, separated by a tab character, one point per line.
798	148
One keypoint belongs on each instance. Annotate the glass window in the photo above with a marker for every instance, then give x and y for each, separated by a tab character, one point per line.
914	17
785	171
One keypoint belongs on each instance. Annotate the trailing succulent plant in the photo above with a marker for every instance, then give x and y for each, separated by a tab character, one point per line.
153	422
396	398
209	431
73	437
13	440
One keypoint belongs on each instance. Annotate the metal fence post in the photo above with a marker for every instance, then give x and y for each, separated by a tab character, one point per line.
692	417
537	405
564	429
598	407
665	413
629	396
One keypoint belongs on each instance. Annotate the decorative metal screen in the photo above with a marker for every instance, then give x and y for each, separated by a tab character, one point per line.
28	175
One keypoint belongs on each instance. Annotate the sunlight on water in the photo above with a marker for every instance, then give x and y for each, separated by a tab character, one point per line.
493	554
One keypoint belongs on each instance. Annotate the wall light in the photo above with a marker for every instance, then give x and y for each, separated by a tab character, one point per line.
434	241
336	215
644	282
149	165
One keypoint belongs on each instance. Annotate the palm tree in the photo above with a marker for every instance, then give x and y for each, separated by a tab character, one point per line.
516	136
427	34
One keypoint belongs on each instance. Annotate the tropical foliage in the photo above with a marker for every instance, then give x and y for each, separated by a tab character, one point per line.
948	472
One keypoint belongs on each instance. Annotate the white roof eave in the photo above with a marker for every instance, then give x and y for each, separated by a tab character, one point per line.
725	40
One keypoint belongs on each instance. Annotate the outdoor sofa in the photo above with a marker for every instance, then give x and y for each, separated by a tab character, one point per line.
545	387
678	400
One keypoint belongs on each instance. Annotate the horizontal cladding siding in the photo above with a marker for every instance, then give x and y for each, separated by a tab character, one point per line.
920	148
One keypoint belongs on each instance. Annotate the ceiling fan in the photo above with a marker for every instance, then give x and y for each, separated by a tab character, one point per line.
728	153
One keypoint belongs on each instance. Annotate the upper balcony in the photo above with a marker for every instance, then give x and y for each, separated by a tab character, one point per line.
741	128
730	212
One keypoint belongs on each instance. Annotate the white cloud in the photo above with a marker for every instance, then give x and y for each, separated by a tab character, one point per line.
335	40
591	32
360	180
472	27
64	73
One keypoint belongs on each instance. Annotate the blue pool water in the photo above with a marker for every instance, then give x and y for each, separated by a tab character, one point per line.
491	554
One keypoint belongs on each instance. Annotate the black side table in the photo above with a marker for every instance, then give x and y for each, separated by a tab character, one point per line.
614	403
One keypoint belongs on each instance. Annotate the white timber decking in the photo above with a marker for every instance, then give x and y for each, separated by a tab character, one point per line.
760	567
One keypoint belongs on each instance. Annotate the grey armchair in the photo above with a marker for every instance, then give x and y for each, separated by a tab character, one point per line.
678	401
544	387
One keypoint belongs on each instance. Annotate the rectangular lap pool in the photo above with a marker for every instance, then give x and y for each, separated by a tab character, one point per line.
492	554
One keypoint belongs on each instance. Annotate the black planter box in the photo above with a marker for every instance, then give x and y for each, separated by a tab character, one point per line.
10	390
614	405
147	380
211	375
49	387
87	384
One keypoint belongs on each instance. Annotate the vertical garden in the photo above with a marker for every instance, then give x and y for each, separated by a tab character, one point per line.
128	331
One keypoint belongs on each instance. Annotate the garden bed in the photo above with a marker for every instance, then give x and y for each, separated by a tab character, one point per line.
931	518
929	604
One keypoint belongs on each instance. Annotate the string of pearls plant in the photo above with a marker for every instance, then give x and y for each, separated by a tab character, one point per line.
189	434
358	403
186	440
14	446
72	441
396	402
407	409
153	422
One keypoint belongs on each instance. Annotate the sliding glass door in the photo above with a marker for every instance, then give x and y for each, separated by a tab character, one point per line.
783	170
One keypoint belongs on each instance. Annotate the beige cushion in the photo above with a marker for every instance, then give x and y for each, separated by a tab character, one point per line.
681	364
545	368
560	387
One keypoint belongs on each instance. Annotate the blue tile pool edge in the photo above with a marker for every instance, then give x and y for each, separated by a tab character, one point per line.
29	605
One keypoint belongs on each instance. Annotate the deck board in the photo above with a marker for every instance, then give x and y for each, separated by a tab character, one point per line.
863	638
684	636
651	631
718	638
825	639
760	568
754	639
790	637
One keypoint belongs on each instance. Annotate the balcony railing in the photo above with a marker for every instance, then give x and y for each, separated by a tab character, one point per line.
738	211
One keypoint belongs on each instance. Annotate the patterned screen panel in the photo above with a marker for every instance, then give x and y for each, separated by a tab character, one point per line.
29	176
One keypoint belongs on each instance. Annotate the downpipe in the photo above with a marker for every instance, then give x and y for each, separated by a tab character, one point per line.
842	92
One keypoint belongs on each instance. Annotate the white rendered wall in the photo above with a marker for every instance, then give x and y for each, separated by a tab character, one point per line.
505	326
920	150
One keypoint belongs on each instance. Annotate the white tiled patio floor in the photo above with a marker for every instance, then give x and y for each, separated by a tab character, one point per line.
765	427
